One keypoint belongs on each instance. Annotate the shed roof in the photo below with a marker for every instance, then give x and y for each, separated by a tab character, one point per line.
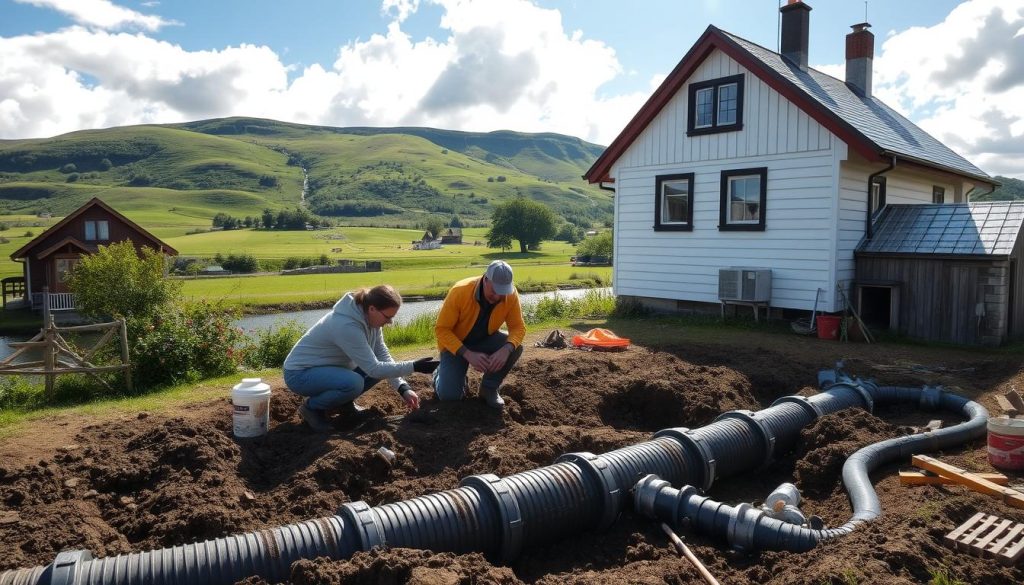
870	127
961	229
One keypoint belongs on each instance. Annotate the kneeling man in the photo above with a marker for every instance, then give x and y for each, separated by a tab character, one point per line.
468	334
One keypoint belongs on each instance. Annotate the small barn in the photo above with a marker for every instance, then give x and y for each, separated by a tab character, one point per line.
49	258
452	235
950	273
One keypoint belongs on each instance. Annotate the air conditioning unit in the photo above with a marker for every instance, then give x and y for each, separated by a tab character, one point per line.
751	285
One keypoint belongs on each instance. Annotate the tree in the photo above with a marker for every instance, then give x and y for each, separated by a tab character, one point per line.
268	219
118	282
521	219
599	245
434	225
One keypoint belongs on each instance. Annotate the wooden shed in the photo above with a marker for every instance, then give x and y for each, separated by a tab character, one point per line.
49	258
950	272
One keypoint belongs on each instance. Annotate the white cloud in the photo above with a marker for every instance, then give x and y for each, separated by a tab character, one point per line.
962	81
103	14
505	64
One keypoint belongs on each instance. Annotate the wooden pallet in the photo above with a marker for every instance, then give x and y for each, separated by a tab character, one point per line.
989	536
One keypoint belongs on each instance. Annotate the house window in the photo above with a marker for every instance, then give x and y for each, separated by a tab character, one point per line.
97	230
673	202
744	194
64	268
716	106
877	196
938	194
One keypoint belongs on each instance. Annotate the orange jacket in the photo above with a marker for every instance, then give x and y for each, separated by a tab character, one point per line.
460	310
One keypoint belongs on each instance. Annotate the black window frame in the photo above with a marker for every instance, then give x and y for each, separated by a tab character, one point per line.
876	211
723	208
659	181
938	194
715	84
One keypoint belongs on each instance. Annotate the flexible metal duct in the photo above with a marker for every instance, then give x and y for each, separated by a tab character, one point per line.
499	516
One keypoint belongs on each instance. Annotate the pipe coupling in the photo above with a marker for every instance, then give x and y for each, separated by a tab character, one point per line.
645	493
931	397
599	472
361	518
742	525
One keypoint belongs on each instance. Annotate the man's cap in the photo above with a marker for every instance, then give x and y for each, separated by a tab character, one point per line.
500	275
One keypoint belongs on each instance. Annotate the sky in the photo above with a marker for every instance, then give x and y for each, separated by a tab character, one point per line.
576	67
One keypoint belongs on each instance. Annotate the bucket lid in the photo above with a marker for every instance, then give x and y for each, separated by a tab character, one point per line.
252	386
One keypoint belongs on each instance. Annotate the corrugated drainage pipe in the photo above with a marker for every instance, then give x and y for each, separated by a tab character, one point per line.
489	514
746	527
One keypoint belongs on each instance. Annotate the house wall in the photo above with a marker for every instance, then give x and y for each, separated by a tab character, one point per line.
902	187
1015	309
799	240
949	300
118	231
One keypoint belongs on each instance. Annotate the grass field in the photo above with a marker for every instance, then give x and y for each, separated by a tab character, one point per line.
313	288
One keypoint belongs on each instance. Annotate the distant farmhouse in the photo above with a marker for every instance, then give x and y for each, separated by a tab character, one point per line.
451	236
427	242
749	177
49	258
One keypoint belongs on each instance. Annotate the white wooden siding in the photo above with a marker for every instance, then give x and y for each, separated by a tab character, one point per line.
771	125
799	241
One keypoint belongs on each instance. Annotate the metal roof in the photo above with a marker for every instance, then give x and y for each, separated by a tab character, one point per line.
974	229
868	115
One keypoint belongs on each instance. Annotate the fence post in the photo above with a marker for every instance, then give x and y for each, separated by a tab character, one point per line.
49	352
46	305
124	356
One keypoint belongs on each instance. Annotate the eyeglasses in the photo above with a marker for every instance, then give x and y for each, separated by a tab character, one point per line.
387	318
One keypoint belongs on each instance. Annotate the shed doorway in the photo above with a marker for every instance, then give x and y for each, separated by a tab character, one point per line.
878	305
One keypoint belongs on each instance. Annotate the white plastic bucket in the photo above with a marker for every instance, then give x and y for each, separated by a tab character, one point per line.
1006	442
251	402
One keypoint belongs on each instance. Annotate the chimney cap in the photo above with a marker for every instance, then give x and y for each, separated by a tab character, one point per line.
795	5
860	26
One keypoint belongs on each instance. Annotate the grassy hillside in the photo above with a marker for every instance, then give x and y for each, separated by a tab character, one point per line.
1010	190
357	176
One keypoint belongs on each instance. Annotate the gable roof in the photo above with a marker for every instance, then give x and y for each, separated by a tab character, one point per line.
961	229
94	202
867	125
68	241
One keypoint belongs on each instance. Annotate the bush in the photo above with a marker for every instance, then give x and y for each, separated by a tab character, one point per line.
16	392
106	165
243	263
118	282
268	181
68	168
271	346
185	343
71	178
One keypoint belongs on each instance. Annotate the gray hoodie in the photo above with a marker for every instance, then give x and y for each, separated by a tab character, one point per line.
344	338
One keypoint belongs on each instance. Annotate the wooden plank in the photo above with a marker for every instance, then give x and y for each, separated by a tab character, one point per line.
971	480
1015	399
911	477
1006	406
953	537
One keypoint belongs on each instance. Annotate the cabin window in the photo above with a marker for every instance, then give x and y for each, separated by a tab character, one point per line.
64	268
938	194
744	194
673	202
716	106
877	196
97	230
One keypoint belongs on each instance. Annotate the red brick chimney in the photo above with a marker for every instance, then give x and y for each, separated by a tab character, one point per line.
860	52
796	24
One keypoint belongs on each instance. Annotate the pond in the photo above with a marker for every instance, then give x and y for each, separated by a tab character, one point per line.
306	319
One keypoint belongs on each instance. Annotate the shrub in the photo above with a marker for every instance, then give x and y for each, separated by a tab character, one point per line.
268	181
138	281
71	178
140	180
244	263
68	168
16	392
271	346
186	343
106	165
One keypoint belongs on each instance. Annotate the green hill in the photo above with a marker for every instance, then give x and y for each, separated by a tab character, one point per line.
1010	190
240	166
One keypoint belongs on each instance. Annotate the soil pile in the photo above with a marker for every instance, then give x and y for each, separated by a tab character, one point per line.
156	481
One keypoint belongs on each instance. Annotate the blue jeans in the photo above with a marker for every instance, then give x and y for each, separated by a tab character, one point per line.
450	375
328	386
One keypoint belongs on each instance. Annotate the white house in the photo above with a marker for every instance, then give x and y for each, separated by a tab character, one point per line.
747	157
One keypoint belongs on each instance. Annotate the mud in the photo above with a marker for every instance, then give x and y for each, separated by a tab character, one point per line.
133	484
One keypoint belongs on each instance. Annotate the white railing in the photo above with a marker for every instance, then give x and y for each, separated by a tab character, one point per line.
58	301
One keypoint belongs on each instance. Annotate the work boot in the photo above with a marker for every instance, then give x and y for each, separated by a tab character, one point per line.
316	419
492	398
350	409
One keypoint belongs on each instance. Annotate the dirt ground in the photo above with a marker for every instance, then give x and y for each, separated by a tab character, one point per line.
121	484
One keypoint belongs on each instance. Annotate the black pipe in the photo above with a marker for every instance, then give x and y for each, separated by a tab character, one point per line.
499	516
747	527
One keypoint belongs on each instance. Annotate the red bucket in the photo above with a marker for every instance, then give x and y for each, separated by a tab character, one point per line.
1006	443
828	326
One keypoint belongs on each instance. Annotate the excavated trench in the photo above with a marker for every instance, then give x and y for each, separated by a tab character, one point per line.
160	481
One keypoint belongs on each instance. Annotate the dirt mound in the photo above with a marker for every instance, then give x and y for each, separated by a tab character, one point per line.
156	480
